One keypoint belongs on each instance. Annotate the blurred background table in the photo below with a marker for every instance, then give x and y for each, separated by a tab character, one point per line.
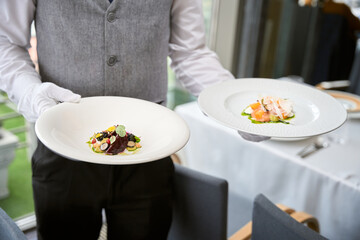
325	184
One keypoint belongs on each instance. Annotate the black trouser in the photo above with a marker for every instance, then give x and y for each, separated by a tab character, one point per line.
70	195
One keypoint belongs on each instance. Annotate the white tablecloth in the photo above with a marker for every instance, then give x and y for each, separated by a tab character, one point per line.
326	184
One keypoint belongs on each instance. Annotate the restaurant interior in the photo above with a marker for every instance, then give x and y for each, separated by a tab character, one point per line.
231	181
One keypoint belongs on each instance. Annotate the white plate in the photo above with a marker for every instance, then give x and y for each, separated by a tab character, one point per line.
350	101
67	127
315	111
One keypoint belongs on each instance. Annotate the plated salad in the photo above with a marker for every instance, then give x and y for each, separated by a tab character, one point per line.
114	140
270	109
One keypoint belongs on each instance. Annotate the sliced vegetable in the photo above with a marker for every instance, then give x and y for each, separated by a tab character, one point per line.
274	118
104	146
131	144
112	139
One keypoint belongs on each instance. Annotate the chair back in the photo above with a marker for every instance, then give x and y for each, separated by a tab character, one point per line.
271	223
200	206
8	228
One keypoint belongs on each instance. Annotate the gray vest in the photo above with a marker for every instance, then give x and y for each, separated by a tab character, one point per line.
95	48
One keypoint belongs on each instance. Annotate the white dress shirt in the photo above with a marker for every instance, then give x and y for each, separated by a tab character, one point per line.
193	63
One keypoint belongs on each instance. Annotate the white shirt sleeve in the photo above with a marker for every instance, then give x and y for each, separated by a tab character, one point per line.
194	64
17	71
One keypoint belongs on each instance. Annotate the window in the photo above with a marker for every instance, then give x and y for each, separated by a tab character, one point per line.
176	93
19	202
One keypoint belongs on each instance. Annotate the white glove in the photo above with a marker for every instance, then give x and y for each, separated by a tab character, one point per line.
41	96
253	137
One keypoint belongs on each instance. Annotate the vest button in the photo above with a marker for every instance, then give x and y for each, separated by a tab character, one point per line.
111	60
111	17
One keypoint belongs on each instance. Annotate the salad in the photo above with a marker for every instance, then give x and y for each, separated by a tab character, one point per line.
114	140
270	109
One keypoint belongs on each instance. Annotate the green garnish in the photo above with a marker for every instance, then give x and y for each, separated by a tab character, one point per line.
120	130
137	139
95	150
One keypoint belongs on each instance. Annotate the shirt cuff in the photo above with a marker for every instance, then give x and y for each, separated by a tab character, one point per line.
21	86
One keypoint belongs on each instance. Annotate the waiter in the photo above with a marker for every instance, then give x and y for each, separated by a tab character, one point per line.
101	48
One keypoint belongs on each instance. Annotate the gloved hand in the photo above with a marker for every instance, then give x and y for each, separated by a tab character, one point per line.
253	137
41	96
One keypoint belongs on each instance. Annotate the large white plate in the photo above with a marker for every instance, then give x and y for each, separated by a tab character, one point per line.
315	111
67	127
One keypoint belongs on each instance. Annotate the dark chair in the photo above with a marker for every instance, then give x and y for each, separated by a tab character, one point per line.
200	206
205	209
8	229
271	222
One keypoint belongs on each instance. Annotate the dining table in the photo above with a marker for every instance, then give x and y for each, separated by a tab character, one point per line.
324	183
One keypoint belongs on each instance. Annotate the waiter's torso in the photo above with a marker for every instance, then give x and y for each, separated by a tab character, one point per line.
94	47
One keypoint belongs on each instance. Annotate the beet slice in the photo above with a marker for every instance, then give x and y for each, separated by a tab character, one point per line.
118	145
